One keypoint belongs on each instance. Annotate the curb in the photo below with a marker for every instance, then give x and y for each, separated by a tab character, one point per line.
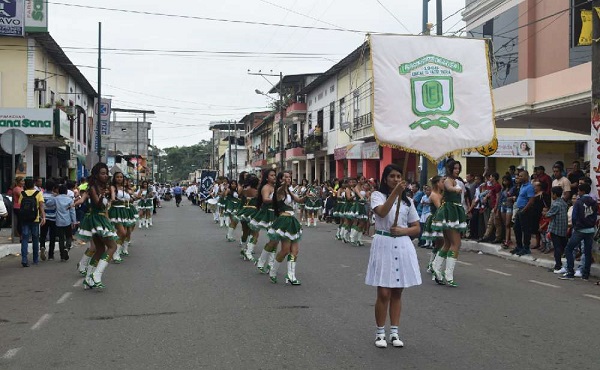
496	250
11	249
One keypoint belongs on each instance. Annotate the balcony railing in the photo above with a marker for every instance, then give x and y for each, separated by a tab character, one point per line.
362	126
314	143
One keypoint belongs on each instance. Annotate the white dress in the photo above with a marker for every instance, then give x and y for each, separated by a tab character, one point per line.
393	261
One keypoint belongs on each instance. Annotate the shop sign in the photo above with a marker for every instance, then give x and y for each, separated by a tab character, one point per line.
36	16
339	153
31	121
508	149
64	125
12	18
370	150
354	151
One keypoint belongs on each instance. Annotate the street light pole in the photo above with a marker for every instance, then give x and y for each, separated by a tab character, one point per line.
99	133
137	152
281	147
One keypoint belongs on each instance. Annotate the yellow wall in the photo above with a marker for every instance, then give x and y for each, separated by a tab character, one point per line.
13	72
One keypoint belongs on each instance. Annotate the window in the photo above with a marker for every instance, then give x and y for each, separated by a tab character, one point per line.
331	116
52	97
332	89
342	110
320	96
488	28
320	119
79	127
356	102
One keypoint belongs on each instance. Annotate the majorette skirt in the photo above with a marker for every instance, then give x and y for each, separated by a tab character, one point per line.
96	223
428	232
285	227
120	214
450	216
245	213
263	219
313	204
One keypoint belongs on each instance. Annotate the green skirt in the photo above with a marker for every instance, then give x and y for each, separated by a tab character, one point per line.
313	204
135	213
450	216
359	210
263	219
145	204
285	228
96	223
121	215
347	211
246	213
428	232
339	206
232	205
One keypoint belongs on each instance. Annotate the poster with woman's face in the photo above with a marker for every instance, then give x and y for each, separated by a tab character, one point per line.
522	149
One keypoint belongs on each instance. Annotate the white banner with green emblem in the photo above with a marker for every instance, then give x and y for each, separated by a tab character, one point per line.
432	95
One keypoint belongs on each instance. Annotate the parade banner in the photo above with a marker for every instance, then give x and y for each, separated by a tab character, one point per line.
207	179
12	18
432	95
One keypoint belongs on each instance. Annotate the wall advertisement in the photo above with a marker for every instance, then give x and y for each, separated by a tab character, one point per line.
31	121
12	19
36	16
508	149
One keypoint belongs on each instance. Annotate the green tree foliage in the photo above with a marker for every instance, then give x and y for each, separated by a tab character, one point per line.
180	161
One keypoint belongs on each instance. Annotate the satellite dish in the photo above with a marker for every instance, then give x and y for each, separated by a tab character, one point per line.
14	141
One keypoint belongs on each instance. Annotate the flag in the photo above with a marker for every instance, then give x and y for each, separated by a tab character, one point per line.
587	30
207	178
432	95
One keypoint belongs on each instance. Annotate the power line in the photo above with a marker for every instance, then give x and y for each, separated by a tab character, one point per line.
394	16
303	15
222	20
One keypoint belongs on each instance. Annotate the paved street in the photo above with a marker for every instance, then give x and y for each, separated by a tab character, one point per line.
184	300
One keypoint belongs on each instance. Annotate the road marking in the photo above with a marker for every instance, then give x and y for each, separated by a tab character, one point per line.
64	298
344	266
78	283
498	272
11	353
45	317
464	263
592	296
544	284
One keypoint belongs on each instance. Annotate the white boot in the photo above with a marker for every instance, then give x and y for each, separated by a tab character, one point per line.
88	282
273	272
97	275
221	221
353	235
345	234
249	250
315	222
83	264
230	233
150	221
227	221
307	222
117	255
338	234
125	251
271	259
141	223
260	263
291	274
449	273
436	268
359	237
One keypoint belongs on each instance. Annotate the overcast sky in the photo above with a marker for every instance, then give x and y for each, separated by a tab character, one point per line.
188	89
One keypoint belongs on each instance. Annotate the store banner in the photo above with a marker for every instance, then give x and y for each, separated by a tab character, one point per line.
354	151
432	95
32	121
370	150
339	153
12	19
36	16
105	110
508	149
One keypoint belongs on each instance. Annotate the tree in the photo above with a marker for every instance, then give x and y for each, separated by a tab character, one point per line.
182	160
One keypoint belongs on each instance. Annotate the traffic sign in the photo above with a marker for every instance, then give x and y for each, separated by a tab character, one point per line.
14	141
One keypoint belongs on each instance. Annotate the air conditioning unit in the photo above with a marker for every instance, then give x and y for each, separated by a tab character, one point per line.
39	85
70	110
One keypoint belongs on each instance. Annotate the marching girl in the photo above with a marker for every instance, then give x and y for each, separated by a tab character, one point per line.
451	220
287	230
96	226
245	215
393	263
133	215
429	235
264	217
232	205
303	188
313	204
222	203
145	205
359	213
214	201
348	212
338	210
119	213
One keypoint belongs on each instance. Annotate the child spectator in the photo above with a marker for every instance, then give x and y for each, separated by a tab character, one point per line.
65	221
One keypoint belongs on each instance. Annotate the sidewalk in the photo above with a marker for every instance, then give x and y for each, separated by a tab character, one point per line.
7	247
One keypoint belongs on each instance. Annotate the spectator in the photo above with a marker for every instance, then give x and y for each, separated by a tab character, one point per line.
494	221
17	188
542	176
512	173
563	182
32	215
524	226
39	184
417	195
585	213
575	175
542	200
425	206
65	222
558	227
49	228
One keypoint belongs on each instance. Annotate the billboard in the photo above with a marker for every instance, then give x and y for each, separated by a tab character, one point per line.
12	20
508	149
36	16
31	121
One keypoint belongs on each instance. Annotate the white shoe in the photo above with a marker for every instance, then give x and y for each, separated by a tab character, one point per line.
561	271
578	273
395	340
380	341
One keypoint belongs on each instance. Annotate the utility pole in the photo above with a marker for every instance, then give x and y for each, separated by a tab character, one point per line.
137	152
281	135
595	119
98	132
229	139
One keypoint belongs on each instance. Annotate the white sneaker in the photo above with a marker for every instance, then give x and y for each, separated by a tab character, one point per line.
561	271
578	273
380	341
395	340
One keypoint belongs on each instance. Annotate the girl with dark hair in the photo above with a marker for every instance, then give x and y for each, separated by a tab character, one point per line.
145	205
302	190
232	205
245	214
430	235
347	214
313	203
393	263
451	220
359	213
118	212
340	205
96	226
506	203
133	214
264	217
286	229
222	204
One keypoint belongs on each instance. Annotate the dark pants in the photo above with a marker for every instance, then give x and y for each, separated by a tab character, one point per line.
474	224
65	239
30	229
574	242
48	228
177	199
559	243
523	231
17	221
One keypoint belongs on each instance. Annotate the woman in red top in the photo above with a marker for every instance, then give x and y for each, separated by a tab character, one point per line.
16	194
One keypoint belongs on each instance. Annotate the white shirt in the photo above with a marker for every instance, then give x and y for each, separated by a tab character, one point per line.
71	193
3	211
408	214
